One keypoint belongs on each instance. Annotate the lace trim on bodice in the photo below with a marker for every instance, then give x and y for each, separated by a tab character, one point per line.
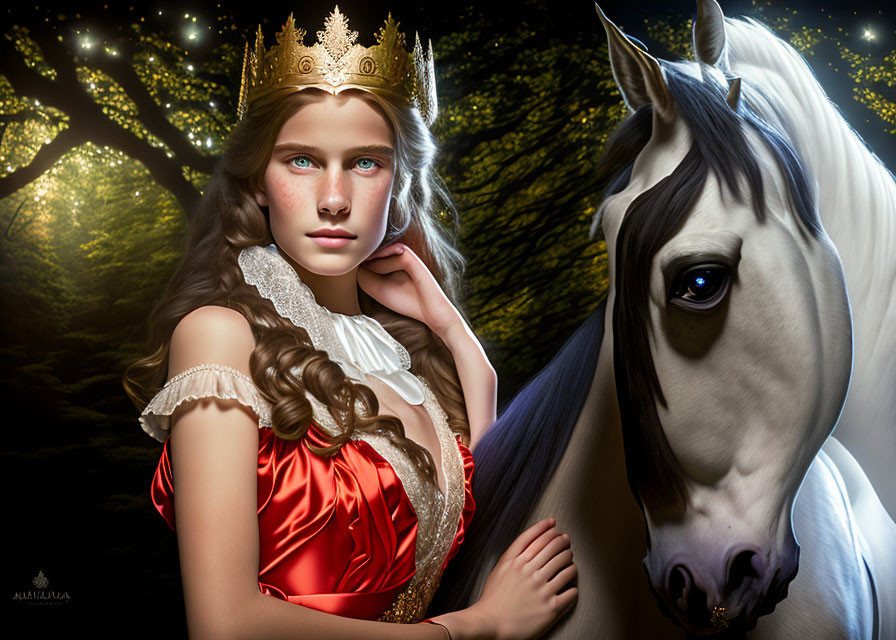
437	514
359	344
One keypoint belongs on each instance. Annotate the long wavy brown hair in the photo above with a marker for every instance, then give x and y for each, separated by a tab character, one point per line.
229	219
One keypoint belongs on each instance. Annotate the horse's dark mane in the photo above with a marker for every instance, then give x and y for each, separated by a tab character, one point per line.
519	453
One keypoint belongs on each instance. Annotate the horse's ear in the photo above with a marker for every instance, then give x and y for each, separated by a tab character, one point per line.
638	74
733	97
709	32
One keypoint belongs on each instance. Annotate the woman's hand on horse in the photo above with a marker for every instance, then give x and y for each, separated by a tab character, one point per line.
396	277
523	596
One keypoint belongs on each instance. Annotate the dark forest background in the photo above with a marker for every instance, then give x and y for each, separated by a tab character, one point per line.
110	120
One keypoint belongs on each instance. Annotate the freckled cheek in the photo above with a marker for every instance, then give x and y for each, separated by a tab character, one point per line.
290	199
376	197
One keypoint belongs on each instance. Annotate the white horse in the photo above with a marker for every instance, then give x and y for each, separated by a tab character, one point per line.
857	204
705	385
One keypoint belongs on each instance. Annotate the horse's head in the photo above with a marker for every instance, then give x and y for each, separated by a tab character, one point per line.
731	328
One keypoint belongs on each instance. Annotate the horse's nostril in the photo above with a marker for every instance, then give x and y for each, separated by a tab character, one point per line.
679	583
745	565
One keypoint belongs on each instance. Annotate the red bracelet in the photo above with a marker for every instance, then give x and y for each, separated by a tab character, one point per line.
431	621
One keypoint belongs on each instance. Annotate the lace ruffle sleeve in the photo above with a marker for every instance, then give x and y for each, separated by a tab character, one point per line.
202	381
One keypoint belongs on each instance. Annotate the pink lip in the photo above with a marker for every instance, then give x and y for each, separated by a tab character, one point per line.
331	231
331	242
331	238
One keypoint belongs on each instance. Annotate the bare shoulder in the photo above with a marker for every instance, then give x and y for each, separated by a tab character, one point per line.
214	446
211	334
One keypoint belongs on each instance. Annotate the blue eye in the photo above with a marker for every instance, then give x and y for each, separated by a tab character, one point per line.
366	163
302	162
700	288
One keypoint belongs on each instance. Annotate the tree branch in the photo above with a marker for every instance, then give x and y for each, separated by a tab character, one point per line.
67	94
150	114
13	218
46	157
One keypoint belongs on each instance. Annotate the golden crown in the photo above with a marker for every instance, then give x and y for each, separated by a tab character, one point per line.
336	63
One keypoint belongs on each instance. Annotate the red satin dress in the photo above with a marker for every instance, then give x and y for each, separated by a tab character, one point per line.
336	534
360	534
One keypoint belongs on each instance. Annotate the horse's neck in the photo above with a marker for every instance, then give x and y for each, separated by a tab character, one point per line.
856	193
857	204
590	498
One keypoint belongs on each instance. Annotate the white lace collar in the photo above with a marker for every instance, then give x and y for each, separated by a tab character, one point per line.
358	344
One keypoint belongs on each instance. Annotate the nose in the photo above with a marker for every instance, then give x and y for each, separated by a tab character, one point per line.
707	597
334	196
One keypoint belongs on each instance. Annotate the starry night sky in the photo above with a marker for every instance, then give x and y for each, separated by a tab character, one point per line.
438	18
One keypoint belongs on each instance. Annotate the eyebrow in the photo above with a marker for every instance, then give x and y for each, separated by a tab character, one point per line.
305	148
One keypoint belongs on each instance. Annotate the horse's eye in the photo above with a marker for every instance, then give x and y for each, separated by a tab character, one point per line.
700	288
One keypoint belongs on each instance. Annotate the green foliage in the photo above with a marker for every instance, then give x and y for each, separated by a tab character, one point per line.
521	144
29	51
675	36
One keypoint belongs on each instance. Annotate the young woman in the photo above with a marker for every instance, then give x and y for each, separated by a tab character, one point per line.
322	388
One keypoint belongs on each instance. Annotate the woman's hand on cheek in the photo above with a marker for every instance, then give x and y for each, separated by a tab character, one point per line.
397	278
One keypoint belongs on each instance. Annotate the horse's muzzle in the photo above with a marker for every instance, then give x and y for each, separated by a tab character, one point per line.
708	597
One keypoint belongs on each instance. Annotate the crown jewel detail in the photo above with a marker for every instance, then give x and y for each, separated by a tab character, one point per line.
337	62
337	38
